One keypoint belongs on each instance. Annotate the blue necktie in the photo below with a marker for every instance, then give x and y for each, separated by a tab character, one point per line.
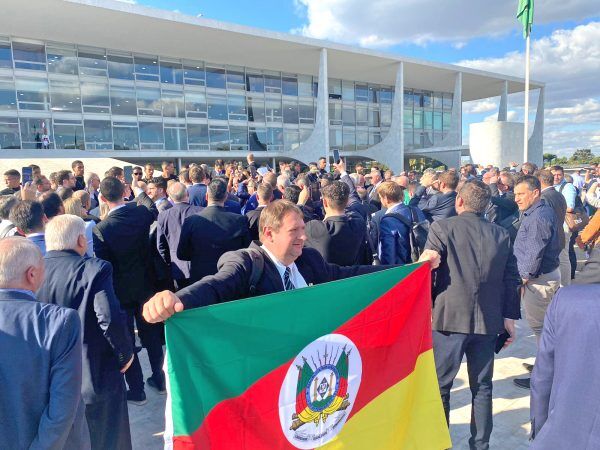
287	281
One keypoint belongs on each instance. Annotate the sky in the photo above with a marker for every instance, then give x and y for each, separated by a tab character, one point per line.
565	47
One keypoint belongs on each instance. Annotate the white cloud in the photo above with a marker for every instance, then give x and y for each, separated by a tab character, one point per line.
568	61
380	23
510	116
131	2
480	106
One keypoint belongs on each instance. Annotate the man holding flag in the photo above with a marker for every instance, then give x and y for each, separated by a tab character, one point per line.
336	365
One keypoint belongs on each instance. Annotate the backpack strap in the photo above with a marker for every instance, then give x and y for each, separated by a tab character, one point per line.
401	218
258	266
562	186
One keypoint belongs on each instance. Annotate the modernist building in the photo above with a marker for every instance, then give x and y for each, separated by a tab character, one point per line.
107	78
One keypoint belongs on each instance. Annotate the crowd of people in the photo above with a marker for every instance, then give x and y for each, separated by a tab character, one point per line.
87	263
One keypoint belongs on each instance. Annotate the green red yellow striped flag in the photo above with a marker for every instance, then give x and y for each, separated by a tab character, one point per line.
342	365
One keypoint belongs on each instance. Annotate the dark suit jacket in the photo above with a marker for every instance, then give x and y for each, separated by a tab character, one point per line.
233	206
558	203
122	239
40	369
168	231
563	416
209	234
231	282
197	194
591	270
340	240
253	219
475	287
435	207
89	290
502	205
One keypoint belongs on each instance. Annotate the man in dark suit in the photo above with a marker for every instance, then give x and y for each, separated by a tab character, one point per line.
557	202
264	195
168	230
474	300
562	412
441	204
157	191
502	204
197	191
30	220
287	265
376	180
122	239
40	368
339	238
108	350
209	234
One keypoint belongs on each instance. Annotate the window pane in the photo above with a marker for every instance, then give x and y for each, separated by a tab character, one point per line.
385	95
146	68
349	141
92	63
273	110
447	101
290	86
362	140
304	85
408	117
335	139
62	60
32	93
428	119
256	110
148	102
335	88
374	118
335	113
69	137
29	56
197	134
290	112
171	73
98	134
237	107
418	99
426	99
194	74
273	83
409	140
120	67
5	55
33	132
9	135
94	97
348	90
215	78
348	115
258	139
374	137
8	95
217	107
151	132
362	93
255	82
437	120
235	79
275	136
219	138
306	112
175	139
291	139
386	116
126	138
195	104
447	121
173	104
437	100
65	96
362	116
122	100
373	93
239	138
418	119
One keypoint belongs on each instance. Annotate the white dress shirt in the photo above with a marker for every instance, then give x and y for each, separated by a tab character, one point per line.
296	277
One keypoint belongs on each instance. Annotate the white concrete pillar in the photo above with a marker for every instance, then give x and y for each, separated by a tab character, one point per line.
503	109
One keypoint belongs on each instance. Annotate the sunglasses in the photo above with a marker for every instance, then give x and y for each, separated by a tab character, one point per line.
137	173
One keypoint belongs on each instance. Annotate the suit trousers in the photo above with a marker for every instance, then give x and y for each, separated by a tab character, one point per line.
108	421
565	265
151	338
537	295
448	350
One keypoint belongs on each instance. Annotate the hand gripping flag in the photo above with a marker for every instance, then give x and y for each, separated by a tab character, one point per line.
342	365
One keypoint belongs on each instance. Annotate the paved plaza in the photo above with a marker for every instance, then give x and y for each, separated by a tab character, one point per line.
511	404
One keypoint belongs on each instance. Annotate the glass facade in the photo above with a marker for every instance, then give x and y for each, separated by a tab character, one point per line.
60	95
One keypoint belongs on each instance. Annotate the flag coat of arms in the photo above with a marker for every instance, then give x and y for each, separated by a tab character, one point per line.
342	365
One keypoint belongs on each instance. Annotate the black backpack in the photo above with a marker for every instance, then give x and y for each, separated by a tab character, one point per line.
418	231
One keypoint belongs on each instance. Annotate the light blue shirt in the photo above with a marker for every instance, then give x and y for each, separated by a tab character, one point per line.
568	191
296	277
22	291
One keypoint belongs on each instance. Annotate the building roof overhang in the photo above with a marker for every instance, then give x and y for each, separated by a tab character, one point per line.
129	27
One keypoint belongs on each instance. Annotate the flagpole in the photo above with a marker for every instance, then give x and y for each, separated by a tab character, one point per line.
526	131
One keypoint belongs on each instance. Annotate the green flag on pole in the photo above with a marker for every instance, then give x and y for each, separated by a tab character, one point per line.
525	15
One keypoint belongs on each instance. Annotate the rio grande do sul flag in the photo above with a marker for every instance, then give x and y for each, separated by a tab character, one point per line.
342	365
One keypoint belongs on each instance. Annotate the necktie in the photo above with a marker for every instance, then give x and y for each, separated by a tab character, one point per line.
287	281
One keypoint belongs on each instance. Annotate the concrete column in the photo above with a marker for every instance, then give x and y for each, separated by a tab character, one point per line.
536	141
317	144
503	110
454	136
179	165
390	150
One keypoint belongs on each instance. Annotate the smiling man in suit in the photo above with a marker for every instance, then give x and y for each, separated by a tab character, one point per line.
287	265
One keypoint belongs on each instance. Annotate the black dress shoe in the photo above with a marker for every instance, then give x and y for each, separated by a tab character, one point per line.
157	386
136	398
528	367
523	383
